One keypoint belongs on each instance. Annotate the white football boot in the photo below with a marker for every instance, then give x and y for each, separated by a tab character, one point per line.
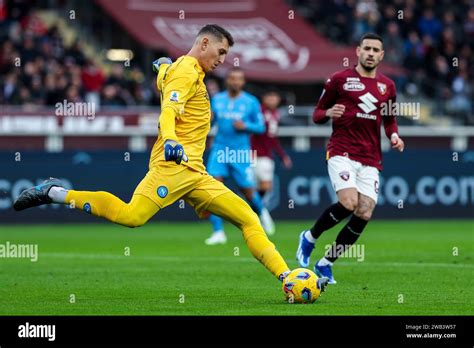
267	222
217	237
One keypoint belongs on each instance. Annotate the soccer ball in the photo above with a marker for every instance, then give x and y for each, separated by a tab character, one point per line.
301	286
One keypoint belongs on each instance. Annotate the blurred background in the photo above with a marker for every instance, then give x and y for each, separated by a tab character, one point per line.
56	53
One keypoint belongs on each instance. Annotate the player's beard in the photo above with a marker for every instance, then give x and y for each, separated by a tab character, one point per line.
233	91
368	68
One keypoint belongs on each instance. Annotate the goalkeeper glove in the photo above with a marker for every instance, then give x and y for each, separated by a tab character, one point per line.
174	152
159	61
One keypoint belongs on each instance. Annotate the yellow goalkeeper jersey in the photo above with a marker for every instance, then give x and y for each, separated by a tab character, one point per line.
185	112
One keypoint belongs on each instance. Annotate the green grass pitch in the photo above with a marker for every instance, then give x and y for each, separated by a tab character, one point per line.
409	268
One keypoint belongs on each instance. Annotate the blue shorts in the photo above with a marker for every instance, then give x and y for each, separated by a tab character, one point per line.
242	173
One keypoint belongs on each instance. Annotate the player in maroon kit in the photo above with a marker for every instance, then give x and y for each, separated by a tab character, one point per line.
353	99
267	143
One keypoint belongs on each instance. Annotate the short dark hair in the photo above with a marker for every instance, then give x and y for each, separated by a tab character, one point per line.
370	36
234	69
218	32
271	90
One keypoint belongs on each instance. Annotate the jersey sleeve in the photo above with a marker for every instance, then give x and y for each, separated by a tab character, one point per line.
256	122
327	99
175	92
276	146
390	121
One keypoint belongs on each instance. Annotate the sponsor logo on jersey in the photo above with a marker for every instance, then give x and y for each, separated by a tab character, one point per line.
353	86
174	96
366	116
382	87
352	79
345	175
368	101
376	186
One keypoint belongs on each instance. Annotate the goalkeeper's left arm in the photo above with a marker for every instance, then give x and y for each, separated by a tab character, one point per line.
176	87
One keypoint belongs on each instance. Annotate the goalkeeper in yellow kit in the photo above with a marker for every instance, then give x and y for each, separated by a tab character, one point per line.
176	168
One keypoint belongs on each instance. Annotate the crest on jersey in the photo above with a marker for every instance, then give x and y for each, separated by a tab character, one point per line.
174	96
162	191
344	175
382	87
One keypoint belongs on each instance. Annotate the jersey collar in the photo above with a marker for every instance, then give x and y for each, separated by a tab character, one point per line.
365	77
196	64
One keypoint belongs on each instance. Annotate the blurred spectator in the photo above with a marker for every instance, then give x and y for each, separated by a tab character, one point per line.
429	24
141	91
52	95
28	50
460	104
10	92
366	18
73	95
112	97
449	22
408	21
117	76
122	86
469	26
212	86
75	51
430	39
413	51
36	68
394	44
93	79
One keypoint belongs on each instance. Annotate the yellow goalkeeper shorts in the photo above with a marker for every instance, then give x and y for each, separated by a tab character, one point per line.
166	185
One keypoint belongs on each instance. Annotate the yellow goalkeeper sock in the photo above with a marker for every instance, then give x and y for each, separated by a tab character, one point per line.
264	250
235	210
106	205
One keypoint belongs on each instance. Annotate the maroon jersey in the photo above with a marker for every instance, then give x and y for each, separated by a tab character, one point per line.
356	133
268	142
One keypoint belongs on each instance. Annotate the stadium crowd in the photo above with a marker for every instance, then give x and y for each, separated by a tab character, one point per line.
432	39
37	69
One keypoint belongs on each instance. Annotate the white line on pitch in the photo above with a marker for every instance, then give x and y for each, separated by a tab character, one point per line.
240	259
